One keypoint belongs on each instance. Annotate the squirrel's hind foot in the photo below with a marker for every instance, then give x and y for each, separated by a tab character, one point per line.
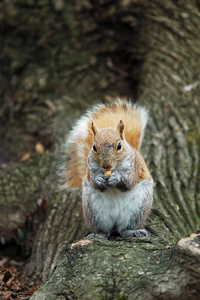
134	233
97	235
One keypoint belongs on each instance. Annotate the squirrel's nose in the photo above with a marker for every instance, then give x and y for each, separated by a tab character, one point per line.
106	165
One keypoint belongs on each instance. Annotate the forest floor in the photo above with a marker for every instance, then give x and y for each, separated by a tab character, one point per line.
11	287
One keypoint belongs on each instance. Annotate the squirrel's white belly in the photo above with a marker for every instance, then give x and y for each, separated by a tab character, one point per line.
117	210
112	209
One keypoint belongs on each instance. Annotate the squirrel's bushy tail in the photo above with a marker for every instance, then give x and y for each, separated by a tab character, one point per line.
80	139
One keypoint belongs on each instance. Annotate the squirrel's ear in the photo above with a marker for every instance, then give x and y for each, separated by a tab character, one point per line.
94	128
120	128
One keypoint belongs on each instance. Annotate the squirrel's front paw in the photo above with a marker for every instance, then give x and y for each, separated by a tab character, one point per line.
101	181
113	179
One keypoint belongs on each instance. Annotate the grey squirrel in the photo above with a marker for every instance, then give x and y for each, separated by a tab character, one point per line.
102	155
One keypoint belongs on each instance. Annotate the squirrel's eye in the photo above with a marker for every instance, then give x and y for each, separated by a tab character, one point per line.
119	146
94	148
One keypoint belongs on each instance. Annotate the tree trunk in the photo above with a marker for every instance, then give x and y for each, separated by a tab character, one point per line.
91	52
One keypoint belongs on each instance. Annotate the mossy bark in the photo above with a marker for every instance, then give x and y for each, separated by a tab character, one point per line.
131	269
59	58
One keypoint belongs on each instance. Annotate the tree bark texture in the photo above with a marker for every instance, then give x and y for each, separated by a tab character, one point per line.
59	58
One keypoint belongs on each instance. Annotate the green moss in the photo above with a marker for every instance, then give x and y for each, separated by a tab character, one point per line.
193	133
122	297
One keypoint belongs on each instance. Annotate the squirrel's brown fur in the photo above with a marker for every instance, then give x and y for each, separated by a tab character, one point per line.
81	138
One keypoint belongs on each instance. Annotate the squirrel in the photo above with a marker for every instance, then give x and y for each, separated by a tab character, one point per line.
102	156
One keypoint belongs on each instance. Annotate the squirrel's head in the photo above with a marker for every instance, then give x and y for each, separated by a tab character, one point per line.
108	147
